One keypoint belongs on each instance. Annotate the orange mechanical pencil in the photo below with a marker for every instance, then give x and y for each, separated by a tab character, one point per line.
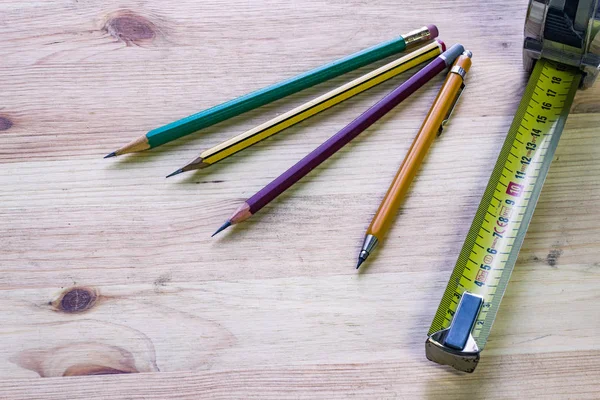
438	114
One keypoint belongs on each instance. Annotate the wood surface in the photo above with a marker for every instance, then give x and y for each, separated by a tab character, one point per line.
108	268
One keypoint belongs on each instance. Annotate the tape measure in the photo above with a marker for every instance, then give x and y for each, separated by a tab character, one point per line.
468	308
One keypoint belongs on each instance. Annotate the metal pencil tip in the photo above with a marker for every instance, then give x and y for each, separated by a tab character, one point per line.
226	225
179	171
113	154
360	261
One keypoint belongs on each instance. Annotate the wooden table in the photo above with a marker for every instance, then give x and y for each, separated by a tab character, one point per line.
108	268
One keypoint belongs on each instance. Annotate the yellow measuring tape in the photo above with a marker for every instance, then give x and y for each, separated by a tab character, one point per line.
490	251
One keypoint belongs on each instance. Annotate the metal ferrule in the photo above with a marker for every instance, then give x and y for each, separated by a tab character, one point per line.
368	245
417	35
457	69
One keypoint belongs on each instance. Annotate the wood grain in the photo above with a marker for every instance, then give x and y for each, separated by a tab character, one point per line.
107	268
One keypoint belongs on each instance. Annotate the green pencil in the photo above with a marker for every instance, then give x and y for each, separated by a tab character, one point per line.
240	105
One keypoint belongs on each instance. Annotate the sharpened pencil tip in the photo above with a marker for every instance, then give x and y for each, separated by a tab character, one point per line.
113	154
179	171
360	261
226	225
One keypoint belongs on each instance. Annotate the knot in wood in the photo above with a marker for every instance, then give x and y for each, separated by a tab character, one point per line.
5	124
77	300
130	28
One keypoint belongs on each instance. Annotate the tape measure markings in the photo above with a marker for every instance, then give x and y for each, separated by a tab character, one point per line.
498	229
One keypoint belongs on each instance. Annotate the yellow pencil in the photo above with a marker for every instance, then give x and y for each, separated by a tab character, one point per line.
315	106
437	116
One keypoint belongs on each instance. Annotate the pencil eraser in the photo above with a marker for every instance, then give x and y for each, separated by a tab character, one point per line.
441	42
433	31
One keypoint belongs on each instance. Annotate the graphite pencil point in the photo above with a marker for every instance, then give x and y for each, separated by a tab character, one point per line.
226	225
113	154
360	261
179	171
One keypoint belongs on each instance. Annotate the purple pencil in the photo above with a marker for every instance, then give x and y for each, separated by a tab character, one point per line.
343	137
